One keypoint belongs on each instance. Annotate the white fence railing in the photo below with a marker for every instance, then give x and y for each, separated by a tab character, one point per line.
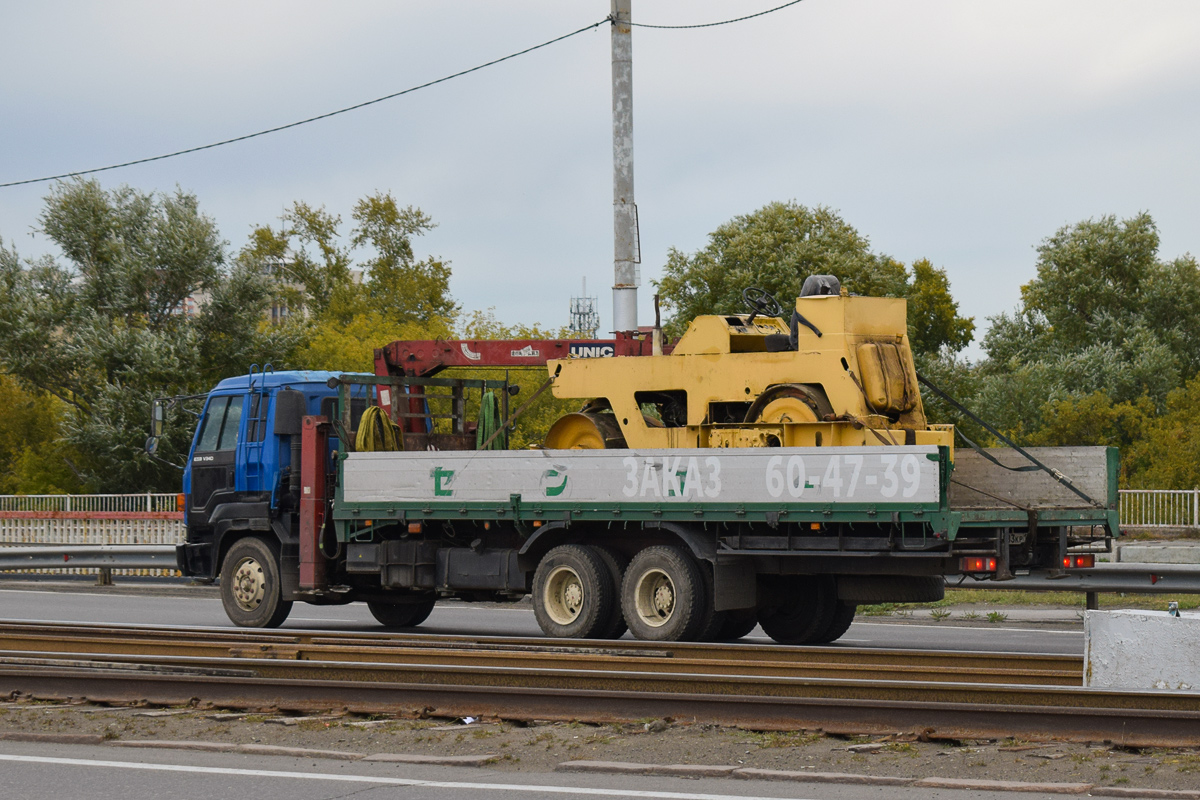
97	519
1160	508
90	503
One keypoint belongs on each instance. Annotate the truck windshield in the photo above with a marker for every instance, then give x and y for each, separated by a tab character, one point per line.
221	424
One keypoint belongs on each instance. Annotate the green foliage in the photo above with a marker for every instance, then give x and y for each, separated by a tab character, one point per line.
1104	314
1166	454
33	457
780	245
531	427
316	278
104	333
350	346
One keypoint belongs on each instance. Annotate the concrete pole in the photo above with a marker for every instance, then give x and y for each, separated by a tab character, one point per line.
626	275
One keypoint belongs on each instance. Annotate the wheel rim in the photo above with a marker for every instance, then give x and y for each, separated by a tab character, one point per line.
563	596
655	597
788	409
249	584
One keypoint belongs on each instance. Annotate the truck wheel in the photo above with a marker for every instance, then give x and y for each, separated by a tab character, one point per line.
843	615
714	621
573	593
738	623
250	588
805	613
662	595
616	562
401	615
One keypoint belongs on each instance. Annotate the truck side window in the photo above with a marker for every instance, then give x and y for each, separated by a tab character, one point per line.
221	425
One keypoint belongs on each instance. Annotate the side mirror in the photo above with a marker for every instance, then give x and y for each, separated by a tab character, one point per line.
156	421
152	445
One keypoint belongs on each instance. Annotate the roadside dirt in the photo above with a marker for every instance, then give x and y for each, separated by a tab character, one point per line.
539	747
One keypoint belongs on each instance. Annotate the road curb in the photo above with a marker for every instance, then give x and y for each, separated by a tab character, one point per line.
1003	786
54	738
1125	791
445	761
254	749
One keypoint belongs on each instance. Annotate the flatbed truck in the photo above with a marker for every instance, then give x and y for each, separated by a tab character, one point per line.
762	471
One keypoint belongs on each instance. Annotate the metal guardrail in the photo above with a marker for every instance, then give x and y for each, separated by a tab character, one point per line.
1125	577
104	557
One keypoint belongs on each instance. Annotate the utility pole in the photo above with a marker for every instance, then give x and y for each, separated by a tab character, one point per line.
626	251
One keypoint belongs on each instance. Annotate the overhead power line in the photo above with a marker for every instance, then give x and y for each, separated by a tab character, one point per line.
297	124
715	24
391	96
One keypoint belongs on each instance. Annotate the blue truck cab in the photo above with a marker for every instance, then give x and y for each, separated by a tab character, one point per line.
239	475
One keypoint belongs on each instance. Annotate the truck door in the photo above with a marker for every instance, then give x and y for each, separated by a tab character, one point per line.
214	459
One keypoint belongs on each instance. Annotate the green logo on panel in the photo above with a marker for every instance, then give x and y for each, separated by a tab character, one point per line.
442	489
555	491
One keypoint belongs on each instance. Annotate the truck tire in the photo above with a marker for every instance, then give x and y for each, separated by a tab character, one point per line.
839	623
573	593
662	595
616	562
738	624
250	587
400	615
714	621
805	613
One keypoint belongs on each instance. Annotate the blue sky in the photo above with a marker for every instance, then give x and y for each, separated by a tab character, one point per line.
960	132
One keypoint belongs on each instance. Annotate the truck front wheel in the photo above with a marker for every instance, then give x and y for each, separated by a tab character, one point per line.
662	595
250	588
573	593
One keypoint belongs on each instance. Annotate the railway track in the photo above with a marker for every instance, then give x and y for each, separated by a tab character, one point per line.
836	689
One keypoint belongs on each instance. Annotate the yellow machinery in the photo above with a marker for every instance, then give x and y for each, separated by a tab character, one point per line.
841	374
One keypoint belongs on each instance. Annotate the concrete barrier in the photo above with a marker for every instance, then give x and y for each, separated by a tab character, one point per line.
1131	649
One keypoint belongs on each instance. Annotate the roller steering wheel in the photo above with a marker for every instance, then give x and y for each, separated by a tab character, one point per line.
761	303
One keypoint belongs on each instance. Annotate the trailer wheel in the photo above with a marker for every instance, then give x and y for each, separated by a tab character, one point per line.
662	595
573	593
738	624
804	613
616	562
840	619
400	615
250	587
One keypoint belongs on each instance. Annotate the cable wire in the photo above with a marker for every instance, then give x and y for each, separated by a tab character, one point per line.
278	128
715	24
357	106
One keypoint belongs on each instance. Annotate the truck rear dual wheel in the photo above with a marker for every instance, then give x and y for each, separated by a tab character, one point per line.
574	594
663	594
809	612
401	615
738	624
250	587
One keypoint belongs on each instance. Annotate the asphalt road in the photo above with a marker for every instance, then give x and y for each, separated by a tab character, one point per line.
56	772
203	609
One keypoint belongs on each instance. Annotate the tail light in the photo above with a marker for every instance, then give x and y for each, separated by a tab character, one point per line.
1084	561
977	564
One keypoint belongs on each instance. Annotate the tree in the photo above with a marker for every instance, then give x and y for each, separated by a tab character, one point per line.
1103	299
780	245
33	457
105	332
316	278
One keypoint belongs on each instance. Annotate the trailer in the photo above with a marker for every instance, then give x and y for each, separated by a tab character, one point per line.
762	470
